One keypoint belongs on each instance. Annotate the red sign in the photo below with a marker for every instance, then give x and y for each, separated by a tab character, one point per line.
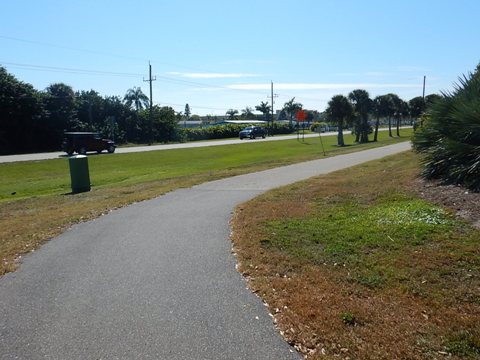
301	115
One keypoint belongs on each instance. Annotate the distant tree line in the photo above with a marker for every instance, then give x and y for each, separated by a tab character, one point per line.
34	121
288	112
361	113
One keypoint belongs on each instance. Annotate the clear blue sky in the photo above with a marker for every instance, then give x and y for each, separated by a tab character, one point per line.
216	55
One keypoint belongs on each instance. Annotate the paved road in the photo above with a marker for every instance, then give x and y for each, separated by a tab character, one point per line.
193	144
154	280
125	150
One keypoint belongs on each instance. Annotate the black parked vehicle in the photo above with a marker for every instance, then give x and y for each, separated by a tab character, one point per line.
252	132
81	142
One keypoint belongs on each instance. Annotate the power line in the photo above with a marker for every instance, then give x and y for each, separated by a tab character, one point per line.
91	72
69	48
105	73
69	70
41	43
120	74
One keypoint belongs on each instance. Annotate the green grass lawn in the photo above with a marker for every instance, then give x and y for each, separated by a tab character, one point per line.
35	204
357	260
48	177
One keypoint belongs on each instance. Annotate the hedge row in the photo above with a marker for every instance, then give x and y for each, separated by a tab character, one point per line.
229	131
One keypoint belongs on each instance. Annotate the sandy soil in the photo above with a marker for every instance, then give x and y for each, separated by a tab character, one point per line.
463	202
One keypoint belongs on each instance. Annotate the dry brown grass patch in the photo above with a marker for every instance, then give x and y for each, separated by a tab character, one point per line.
326	315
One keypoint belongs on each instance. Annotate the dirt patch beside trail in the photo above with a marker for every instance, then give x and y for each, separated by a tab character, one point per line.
463	202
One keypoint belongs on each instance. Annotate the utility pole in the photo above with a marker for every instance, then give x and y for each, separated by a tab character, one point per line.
271	97
424	78
150	79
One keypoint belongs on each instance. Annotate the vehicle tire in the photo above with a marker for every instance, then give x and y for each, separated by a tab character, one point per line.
263	136
252	137
70	152
99	151
82	151
111	149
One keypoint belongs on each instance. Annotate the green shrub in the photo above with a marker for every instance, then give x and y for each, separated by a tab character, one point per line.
319	126
281	128
465	343
213	132
348	318
449	137
229	131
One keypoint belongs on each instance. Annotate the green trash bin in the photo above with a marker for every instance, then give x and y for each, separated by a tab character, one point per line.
79	173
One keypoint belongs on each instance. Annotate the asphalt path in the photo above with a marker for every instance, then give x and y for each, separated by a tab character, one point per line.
154	280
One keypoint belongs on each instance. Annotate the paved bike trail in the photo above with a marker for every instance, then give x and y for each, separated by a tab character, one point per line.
154	280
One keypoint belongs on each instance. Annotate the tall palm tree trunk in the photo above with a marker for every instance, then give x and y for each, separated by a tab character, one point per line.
364	131
377	123
340	136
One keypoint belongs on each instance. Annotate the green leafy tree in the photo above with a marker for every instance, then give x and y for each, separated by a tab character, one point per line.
417	107
179	116
449	138
187	112
90	110
22	119
165	126
362	105
61	108
340	112
432	99
123	118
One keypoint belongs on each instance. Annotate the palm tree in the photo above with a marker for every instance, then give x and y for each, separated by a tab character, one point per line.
137	98
232	114
247	113
291	108
449	139
403	110
397	109
363	106
264	108
391	108
380	110
340	112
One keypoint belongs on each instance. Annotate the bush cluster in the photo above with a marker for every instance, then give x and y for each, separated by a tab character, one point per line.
449	136
229	131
